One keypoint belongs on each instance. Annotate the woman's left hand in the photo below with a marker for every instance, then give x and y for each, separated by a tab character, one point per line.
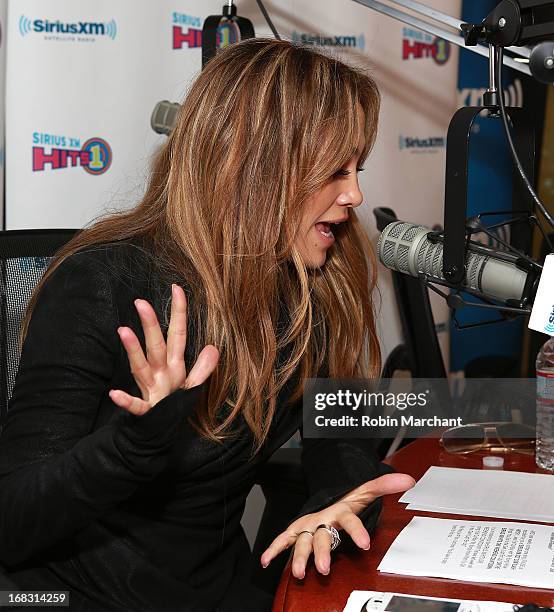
341	515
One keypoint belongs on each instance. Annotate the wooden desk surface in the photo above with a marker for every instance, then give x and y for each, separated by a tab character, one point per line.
357	570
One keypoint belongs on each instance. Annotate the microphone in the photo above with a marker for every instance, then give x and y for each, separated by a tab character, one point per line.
218	31
164	117
494	275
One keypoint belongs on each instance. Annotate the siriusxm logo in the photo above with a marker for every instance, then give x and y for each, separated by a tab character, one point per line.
549	327
430	144
357	42
79	28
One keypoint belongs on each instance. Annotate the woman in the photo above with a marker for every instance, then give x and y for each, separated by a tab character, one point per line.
127	457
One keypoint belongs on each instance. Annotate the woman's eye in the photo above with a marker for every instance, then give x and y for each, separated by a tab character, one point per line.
343	172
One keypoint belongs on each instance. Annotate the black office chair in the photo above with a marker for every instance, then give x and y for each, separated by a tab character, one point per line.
24	255
420	351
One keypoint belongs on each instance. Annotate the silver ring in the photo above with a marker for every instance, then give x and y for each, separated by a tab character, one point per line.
335	538
305	531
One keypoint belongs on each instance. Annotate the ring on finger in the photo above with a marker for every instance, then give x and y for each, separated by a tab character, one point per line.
335	538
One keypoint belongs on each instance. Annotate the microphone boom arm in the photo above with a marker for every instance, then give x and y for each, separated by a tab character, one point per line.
454	38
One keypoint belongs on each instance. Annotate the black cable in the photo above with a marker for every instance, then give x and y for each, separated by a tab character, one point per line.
268	19
515	157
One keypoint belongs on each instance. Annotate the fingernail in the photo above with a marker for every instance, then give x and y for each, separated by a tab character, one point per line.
264	565
327	572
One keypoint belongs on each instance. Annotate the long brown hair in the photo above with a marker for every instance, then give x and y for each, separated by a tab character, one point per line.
263	127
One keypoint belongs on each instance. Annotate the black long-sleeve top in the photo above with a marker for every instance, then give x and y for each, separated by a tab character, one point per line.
132	512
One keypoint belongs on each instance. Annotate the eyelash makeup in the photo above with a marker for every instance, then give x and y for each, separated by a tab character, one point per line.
347	172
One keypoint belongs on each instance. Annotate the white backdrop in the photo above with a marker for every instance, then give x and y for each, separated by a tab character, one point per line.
83	77
3	29
83	86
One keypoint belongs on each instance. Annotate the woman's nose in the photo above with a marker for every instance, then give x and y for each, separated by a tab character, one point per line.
351	197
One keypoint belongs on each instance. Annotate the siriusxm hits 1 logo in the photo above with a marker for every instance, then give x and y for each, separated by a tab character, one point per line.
192	36
94	155
417	44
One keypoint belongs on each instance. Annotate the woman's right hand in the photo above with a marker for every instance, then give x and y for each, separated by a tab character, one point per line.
162	371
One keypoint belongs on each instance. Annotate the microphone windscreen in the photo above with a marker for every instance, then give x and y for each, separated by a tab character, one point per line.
164	117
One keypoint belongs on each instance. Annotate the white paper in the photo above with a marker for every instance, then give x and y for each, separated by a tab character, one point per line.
495	493
358	599
542	315
474	551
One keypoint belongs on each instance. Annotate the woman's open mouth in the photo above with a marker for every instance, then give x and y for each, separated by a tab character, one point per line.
324	230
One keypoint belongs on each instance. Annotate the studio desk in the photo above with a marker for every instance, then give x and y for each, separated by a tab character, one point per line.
357	569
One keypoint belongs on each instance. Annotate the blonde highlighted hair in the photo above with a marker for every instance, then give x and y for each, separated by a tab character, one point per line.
264	126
